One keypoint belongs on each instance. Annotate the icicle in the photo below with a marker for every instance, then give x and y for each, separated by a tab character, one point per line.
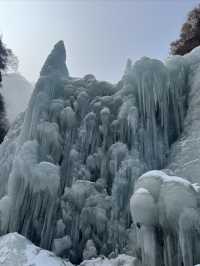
83	103
105	119
32	190
50	142
54	110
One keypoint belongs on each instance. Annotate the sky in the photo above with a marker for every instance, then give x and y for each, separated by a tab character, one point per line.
100	35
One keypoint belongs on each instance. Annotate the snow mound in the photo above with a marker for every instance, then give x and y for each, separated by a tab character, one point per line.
70	165
122	260
17	250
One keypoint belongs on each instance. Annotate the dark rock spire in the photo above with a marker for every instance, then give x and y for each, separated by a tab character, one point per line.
55	63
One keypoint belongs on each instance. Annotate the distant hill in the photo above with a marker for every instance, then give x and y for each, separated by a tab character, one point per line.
16	91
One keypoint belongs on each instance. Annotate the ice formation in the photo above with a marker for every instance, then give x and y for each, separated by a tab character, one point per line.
165	210
71	162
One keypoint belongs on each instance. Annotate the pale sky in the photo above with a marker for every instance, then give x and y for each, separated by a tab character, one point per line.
99	35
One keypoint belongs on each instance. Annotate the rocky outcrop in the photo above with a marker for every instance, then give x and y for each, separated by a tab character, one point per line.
55	63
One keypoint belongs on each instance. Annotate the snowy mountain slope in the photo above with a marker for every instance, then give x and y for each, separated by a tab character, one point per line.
79	150
16	91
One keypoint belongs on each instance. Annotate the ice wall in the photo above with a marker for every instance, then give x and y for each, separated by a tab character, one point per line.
185	154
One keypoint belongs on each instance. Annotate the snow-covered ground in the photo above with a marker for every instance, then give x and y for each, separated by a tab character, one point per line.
16	250
120	260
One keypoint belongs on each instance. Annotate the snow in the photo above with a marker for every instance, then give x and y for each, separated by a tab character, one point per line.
17	250
123	260
141	191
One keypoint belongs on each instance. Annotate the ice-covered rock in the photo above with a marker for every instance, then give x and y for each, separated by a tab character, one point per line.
165	210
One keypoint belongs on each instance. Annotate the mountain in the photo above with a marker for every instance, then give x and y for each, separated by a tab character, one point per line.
16	91
94	169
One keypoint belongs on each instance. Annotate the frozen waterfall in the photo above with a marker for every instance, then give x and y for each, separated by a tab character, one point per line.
70	164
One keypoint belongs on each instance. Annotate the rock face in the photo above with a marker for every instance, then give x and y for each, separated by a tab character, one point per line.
16	91
55	62
69	165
